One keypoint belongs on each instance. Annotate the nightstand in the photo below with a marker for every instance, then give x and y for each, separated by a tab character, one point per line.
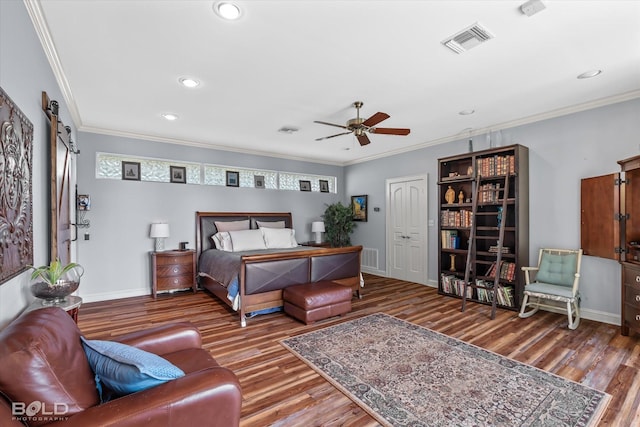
319	245
173	270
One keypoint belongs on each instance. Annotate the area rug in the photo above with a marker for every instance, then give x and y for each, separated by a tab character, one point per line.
406	375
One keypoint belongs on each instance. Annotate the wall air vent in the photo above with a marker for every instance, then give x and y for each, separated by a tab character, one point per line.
467	38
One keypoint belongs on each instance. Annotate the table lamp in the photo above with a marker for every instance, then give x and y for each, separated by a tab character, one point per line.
318	228
159	231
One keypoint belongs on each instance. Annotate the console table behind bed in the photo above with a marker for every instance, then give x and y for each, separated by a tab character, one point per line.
262	277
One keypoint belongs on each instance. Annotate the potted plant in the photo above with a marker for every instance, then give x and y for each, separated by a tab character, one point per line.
338	221
54	282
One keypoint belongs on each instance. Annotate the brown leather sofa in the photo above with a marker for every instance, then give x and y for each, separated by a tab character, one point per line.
44	372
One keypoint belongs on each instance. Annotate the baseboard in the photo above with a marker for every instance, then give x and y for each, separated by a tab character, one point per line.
106	296
589	314
374	271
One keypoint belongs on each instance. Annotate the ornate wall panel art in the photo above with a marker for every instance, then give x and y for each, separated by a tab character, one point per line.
16	209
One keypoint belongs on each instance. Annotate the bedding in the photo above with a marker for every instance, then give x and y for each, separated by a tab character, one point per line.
232	225
270	224
247	240
225	268
252	281
279	238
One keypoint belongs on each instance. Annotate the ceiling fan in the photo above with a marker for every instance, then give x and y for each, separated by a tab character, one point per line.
360	127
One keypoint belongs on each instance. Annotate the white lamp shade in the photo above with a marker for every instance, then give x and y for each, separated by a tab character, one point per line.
317	226
159	230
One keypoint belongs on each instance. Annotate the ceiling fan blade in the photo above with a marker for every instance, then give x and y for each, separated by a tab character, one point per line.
333	136
330	124
375	119
390	131
363	139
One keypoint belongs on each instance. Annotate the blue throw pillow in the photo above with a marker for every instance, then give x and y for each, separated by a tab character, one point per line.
125	369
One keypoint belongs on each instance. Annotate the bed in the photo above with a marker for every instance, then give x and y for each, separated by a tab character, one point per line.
252	281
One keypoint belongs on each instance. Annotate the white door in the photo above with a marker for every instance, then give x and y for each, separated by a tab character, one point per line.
407	228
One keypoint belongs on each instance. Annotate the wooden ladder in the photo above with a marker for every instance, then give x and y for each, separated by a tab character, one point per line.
473	237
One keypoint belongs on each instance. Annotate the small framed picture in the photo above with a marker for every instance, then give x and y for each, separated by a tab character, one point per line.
305	185
178	174
324	186
233	179
84	202
359	206
131	171
258	181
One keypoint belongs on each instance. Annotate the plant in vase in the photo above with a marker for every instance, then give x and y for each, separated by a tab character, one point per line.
338	222
54	282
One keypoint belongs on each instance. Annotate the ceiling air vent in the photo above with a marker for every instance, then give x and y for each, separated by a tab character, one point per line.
468	38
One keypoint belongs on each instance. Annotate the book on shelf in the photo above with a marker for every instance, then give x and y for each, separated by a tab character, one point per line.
507	270
454	285
450	239
485	293
496	165
456	218
494	249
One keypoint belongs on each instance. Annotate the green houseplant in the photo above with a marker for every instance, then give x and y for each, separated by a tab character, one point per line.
338	222
54	282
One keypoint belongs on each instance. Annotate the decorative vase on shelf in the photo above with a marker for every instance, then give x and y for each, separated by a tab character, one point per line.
54	282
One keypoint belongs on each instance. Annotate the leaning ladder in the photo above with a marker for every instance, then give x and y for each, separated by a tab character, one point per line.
473	237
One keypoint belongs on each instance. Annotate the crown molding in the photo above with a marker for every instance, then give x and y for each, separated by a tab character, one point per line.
602	102
42	30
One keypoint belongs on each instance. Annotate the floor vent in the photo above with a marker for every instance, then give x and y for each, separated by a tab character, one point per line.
370	258
468	38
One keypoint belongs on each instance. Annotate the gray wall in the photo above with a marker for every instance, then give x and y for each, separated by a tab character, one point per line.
562	151
116	257
24	74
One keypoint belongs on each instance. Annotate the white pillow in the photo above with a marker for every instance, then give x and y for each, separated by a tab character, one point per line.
270	224
222	241
247	240
279	237
232	225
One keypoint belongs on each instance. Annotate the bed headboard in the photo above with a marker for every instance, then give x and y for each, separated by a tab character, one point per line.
206	227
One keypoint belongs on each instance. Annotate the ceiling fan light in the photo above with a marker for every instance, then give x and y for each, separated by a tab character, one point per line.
227	10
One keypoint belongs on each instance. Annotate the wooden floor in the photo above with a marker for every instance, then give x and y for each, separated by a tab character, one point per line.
280	390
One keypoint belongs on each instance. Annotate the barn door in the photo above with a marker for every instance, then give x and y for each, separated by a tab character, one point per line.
60	193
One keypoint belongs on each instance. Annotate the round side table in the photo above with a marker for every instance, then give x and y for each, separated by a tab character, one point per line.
71	304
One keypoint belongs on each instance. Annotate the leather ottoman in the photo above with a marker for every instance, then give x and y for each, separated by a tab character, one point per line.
316	301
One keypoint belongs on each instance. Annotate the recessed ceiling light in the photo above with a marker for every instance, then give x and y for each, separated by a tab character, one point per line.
466	112
170	116
227	10
188	82
589	74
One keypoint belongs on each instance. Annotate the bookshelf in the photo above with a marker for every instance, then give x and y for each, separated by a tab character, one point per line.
460	174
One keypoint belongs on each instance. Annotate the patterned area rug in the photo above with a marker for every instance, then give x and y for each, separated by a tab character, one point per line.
406	375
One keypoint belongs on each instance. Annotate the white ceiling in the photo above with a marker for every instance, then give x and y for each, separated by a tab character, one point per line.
288	63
